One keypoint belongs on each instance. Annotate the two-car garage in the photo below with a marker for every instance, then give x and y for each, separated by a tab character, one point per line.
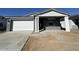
22	24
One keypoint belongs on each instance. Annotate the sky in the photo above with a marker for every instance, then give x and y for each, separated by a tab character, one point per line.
25	11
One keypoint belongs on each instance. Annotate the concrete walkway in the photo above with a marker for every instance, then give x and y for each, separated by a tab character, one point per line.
13	41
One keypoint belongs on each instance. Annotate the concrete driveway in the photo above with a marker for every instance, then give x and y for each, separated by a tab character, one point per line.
13	41
52	41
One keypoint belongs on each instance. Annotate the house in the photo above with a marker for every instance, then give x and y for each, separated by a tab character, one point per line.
48	20
3	23
75	20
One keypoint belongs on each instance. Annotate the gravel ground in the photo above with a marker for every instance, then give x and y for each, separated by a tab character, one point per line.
52	41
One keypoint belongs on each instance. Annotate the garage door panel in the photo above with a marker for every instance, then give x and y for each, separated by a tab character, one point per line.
22	25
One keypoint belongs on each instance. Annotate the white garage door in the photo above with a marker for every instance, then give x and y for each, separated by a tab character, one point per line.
22	25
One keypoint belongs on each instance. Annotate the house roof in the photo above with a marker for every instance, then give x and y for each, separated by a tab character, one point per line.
49	10
20	18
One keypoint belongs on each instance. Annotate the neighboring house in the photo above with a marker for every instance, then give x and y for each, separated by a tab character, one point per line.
75	22
47	20
3	23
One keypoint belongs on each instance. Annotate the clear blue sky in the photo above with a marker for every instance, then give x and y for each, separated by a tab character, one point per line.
23	11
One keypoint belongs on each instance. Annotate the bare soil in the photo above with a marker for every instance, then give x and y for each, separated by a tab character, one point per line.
52	41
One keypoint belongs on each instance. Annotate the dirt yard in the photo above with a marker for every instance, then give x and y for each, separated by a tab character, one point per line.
52	41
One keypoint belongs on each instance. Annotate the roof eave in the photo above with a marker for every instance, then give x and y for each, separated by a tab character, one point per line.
52	10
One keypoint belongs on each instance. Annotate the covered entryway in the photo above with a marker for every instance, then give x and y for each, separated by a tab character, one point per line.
51	19
50	23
